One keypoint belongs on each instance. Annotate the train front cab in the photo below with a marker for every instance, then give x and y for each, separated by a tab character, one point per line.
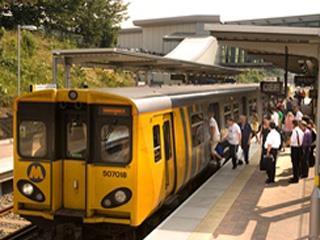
75	157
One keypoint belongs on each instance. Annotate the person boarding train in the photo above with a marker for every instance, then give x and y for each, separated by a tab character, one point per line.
214	132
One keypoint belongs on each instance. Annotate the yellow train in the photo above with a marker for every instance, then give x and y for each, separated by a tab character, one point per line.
114	155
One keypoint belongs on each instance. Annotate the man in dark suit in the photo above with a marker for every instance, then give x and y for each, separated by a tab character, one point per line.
246	133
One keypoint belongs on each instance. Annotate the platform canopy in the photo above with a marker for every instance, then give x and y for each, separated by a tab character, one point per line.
133	61
270	42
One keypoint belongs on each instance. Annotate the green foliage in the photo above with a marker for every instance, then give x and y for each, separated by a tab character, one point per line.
251	76
36	66
92	23
258	75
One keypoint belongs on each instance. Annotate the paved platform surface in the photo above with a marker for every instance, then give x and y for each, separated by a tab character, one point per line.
6	148
6	156
237	204
278	211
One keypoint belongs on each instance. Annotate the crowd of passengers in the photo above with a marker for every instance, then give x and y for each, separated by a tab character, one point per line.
283	125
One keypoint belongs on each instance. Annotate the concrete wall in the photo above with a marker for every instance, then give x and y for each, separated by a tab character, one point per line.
153	36
130	40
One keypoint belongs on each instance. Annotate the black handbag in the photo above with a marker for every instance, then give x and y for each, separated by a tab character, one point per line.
267	162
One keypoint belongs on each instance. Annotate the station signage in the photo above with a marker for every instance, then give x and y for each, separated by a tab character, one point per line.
304	81
271	87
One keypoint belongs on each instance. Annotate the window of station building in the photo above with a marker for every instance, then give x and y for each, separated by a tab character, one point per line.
32	139
167	140
197	129
115	143
252	106
227	112
76	139
156	143
236	111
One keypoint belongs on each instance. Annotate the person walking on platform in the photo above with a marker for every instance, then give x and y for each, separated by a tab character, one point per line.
246	134
298	114
306	149
214	132
265	129
272	146
275	116
288	127
255	125
234	139
296	151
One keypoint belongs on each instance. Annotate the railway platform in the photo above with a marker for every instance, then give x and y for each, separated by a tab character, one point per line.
237	204
6	164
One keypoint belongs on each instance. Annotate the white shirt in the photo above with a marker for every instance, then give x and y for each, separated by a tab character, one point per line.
273	139
233	134
213	123
299	115
275	118
296	137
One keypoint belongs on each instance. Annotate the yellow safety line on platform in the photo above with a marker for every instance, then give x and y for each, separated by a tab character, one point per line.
209	224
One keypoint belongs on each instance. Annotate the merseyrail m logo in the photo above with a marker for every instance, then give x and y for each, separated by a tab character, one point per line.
36	172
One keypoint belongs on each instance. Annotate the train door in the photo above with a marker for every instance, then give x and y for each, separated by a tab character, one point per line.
74	163
168	153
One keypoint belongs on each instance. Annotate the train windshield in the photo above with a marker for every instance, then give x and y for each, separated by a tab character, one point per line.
32	139
115	143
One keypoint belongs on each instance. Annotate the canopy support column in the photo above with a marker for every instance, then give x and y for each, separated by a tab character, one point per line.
54	70
314	230
286	62
67	67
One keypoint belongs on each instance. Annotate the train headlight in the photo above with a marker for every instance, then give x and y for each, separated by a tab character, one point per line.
120	196
116	198
30	190
27	189
107	203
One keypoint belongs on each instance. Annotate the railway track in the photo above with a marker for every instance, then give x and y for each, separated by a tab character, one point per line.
13	226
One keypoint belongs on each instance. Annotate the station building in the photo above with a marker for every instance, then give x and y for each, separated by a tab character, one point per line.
160	36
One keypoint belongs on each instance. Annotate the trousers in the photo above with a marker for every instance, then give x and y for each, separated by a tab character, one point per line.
233	154
305	162
272	171
245	149
296	155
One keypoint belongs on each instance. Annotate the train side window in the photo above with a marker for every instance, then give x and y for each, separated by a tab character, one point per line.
156	143
33	139
115	143
197	129
167	140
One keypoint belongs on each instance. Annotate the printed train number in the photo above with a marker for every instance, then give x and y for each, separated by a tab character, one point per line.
116	174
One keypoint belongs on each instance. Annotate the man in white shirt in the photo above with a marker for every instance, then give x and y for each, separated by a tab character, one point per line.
214	132
234	139
272	146
298	114
296	151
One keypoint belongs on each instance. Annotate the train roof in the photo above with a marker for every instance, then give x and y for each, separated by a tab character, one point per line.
148	99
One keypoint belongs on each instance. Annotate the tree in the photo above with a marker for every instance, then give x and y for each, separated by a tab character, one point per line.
92	23
23	12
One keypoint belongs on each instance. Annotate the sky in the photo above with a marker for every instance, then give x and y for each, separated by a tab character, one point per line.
227	9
